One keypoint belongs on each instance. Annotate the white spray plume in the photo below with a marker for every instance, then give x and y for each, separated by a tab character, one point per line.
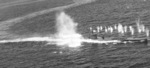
98	29
111	29
91	29
125	29
120	28
147	32
66	28
101	28
131	30
138	24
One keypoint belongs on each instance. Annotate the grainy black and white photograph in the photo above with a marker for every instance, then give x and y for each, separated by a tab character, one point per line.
74	33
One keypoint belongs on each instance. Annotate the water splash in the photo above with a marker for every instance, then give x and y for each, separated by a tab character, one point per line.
67	31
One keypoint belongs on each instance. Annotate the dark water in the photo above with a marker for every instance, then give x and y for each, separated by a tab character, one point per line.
40	55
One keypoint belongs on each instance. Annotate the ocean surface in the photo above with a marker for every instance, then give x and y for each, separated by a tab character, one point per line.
41	55
99	13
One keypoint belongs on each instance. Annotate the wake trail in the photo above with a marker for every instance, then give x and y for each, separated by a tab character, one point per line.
5	5
38	13
51	40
